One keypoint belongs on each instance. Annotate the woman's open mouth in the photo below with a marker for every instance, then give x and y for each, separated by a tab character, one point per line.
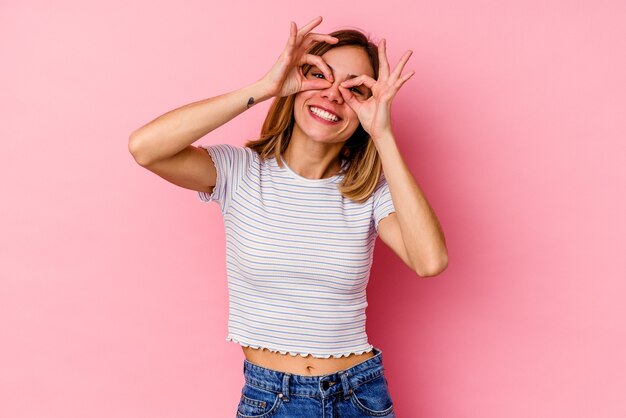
323	116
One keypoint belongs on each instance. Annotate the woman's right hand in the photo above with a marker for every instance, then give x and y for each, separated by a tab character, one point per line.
286	76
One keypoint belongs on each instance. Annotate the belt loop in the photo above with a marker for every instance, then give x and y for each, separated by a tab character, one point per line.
286	387
345	382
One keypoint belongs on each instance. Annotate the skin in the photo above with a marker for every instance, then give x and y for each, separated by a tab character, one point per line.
313	151
163	146
341	81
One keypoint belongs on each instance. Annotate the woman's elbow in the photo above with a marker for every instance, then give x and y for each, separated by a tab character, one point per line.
434	269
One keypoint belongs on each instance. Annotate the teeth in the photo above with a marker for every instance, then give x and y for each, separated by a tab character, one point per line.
324	114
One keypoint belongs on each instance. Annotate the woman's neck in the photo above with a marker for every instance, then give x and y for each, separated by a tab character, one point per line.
315	162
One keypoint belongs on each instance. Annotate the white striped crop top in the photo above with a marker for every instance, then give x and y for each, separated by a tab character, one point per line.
298	255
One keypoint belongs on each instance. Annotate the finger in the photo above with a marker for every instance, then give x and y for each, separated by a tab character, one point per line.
383	63
398	70
315	84
363	79
349	98
404	79
319	63
293	32
309	26
312	38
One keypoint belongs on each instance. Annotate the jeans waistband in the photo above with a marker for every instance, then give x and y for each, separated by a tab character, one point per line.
317	386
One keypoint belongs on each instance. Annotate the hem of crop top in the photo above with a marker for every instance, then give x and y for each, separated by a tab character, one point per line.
229	338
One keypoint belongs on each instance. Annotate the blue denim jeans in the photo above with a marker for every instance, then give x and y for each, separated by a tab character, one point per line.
360	391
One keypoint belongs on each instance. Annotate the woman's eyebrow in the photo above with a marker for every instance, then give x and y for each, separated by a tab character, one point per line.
349	75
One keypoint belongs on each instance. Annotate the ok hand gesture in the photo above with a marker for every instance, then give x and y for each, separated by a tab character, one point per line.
286	77
375	112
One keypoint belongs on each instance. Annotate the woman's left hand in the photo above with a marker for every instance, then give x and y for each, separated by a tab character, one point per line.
375	112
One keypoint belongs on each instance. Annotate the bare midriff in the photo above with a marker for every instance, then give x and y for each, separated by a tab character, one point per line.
307	366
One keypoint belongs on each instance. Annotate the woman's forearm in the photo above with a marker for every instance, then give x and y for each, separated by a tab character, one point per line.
175	130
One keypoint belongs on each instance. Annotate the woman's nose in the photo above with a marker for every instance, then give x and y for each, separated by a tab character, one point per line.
332	93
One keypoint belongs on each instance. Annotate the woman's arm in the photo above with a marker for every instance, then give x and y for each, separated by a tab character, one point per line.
175	130
420	231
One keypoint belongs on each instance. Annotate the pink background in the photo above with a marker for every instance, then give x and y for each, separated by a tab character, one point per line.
113	297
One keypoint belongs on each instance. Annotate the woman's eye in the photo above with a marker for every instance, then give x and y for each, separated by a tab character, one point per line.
355	90
318	75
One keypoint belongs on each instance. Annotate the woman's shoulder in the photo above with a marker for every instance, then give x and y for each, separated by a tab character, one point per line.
234	151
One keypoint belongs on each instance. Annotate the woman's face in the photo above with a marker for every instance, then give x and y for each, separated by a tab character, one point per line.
323	115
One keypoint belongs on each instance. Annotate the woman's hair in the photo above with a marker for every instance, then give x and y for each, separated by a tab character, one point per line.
362	173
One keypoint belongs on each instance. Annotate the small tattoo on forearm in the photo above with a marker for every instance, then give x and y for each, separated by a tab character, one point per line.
250	102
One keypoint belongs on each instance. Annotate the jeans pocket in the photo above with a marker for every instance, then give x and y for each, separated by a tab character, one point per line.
256	402
373	397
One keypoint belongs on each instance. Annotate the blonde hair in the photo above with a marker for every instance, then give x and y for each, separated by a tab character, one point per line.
362	173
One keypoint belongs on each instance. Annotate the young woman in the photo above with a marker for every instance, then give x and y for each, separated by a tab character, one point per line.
302	207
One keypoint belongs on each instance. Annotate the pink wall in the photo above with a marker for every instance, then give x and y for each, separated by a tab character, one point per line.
113	297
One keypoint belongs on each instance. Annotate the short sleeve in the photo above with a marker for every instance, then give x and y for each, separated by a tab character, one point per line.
383	205
228	161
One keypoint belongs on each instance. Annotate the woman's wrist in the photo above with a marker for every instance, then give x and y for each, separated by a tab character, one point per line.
261	91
